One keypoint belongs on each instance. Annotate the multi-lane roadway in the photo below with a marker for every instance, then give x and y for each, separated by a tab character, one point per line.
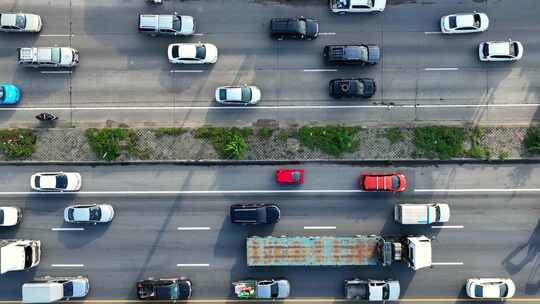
124	76
173	220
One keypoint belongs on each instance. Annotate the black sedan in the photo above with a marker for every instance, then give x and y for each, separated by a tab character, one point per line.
255	214
164	289
352	87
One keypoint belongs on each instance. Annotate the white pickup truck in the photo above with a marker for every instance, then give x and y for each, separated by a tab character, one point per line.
357	6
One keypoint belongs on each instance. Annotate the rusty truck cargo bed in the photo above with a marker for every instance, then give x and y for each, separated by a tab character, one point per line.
312	251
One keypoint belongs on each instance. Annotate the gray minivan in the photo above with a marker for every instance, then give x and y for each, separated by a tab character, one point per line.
175	25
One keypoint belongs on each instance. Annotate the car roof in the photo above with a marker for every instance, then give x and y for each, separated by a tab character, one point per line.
234	93
48	181
501	48
187	50
465	20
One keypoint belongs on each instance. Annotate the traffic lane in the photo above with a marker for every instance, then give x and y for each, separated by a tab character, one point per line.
510	115
517	85
254	178
513	15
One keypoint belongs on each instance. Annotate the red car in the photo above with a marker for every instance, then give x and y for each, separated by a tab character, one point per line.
290	176
390	182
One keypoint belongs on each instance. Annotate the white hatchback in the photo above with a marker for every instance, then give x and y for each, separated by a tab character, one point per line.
10	216
490	288
464	23
89	213
56	181
192	53
500	51
238	95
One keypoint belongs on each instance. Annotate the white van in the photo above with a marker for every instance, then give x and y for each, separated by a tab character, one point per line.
49	289
421	214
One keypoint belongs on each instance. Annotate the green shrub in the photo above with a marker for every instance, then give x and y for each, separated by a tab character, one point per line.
106	142
394	135
439	142
17	143
331	139
230	143
477	150
503	155
160	132
264	132
532	141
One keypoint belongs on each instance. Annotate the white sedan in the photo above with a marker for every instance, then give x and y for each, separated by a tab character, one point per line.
464	23
20	22
238	95
192	53
56	181
89	213
10	216
490	288
500	51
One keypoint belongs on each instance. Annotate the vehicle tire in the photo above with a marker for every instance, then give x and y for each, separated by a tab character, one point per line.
344	87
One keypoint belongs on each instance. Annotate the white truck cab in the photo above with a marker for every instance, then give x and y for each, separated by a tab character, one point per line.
419	252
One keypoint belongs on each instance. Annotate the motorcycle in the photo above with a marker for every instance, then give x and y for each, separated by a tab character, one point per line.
46	117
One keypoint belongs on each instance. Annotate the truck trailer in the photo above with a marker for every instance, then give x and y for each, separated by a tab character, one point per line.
19	254
359	250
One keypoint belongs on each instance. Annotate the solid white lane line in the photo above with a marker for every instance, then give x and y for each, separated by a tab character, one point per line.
192	265
198	34
449	227
68	229
214	108
432	33
480	190
319	227
186	71
441	69
446	263
57	35
327	34
322	191
192	228
67	265
56	72
320	70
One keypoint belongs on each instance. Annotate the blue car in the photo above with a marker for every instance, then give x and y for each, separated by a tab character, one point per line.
9	94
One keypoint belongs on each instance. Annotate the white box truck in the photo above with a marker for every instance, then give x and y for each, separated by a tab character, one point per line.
19	254
52	289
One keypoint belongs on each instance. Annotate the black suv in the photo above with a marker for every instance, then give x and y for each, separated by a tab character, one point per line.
294	28
164	289
255	214
352	53
352	87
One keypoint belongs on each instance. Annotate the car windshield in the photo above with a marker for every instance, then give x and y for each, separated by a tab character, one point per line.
2	93
274	290
28	255
504	290
174	52
70	214
438	214
513	49
95	213
68	289
200	52
55	55
61	181
478	291
395	182
476	20
177	23
246	94
485	50
385	292
452	22
1	216
20	21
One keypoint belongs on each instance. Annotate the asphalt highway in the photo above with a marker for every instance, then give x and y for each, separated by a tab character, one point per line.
173	220
125	77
